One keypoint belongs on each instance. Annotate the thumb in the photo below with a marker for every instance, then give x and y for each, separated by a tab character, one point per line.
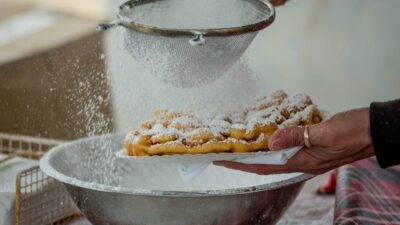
286	138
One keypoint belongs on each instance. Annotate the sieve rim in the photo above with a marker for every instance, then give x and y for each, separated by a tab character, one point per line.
225	31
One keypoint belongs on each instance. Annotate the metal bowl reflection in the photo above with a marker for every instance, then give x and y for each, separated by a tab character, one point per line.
112	192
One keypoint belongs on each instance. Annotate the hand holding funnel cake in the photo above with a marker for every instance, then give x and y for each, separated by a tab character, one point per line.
245	130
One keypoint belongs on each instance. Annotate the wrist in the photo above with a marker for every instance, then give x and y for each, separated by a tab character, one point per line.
366	132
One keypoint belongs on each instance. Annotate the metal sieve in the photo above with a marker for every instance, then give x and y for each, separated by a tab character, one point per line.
190	42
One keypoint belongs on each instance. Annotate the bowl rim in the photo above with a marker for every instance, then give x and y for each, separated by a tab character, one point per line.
46	167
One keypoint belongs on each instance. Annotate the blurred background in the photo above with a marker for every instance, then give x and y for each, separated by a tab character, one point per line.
61	79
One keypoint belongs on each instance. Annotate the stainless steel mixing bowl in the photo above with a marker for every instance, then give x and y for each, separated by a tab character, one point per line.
111	192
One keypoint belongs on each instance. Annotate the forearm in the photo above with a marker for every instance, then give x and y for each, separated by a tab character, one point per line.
385	132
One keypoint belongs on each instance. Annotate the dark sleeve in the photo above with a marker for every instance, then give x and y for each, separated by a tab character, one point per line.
385	132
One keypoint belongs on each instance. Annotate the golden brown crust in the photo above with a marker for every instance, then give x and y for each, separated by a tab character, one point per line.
243	131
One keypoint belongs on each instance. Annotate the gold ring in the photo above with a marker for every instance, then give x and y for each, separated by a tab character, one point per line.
307	142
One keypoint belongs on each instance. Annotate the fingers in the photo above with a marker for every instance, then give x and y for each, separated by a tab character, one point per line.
278	2
303	161
294	136
253	168
298	163
269	169
286	138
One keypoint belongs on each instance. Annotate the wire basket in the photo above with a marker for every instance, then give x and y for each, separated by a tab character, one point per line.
39	199
42	200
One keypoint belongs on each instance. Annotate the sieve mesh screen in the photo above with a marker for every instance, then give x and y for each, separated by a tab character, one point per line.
175	61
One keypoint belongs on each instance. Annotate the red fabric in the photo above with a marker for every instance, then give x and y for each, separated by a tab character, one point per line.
329	185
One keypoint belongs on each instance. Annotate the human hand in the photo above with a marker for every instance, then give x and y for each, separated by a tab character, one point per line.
278	2
342	139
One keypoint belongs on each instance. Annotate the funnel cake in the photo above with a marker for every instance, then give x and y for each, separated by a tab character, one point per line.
245	130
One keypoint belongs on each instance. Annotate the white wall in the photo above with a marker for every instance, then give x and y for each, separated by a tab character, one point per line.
343	53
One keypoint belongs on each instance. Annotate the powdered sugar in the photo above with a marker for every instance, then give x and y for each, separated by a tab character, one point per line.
173	59
175	62
185	121
239	126
253	122
158	130
263	112
298	101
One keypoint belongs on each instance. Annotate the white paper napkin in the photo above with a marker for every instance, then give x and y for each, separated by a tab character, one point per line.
189	171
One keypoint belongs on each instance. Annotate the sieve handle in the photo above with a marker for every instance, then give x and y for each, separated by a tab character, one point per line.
198	39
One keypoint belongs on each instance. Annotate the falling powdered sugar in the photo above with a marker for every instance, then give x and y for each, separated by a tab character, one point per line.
172	58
